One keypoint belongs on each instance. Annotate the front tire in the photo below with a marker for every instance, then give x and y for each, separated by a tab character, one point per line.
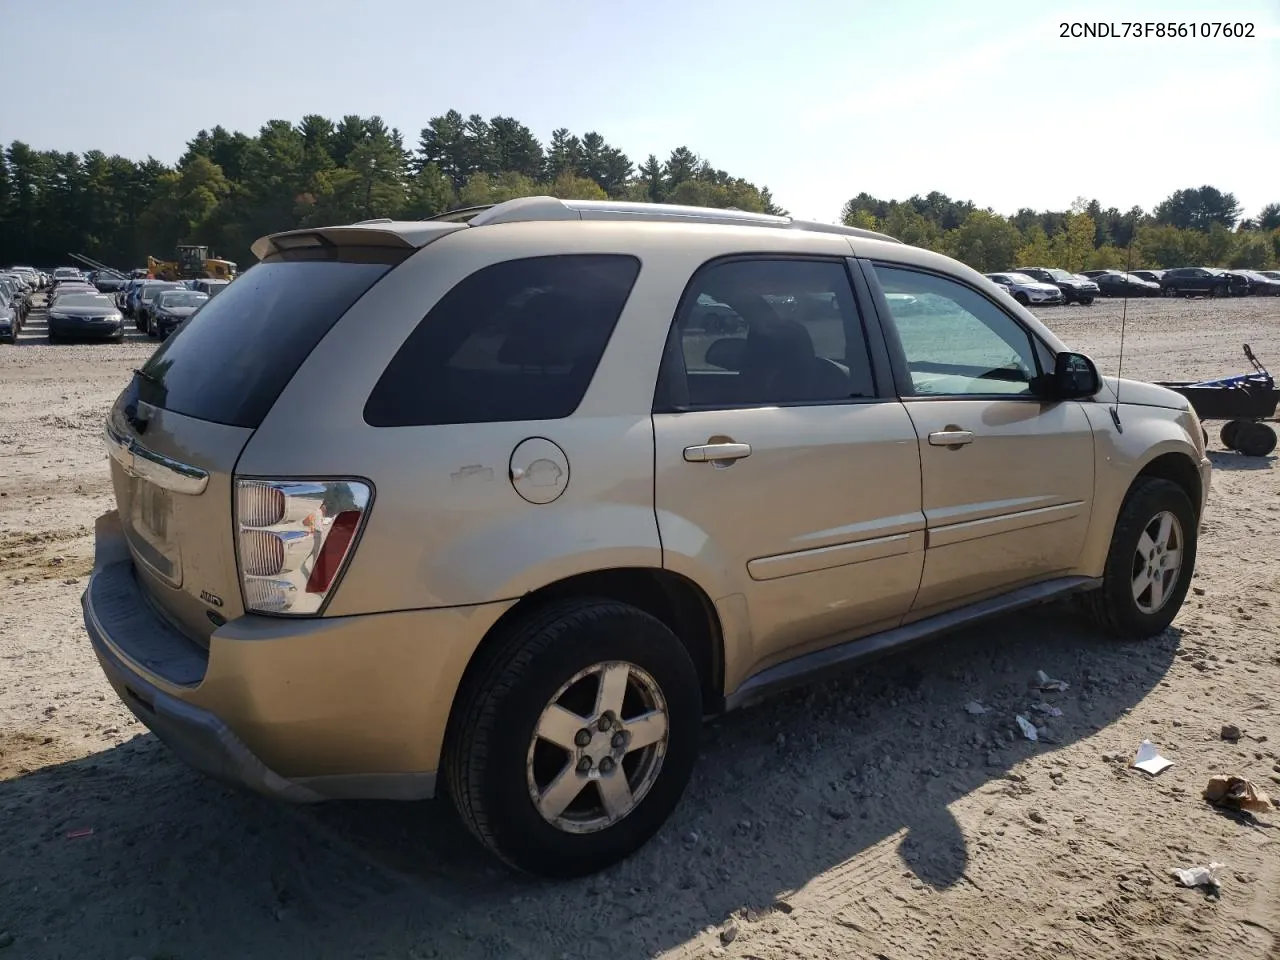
573	740
1150	563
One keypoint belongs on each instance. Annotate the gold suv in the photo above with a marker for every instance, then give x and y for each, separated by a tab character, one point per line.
503	504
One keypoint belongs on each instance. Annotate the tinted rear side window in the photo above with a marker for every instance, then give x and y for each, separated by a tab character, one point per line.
231	360
518	340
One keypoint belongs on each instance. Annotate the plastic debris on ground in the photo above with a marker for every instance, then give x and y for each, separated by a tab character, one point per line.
1046	709
1028	728
1046	682
975	708
1237	793
1198	876
1149	760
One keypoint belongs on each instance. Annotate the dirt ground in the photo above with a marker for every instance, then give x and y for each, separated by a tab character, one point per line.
869	817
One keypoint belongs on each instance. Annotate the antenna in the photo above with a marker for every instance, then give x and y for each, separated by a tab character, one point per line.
1124	313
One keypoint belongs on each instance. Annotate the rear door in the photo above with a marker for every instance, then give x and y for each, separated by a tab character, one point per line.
177	430
782	460
1007	477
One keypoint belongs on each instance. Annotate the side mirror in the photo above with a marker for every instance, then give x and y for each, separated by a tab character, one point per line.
1074	377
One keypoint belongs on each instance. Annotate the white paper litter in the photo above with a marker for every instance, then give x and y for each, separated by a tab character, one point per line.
1048	683
975	708
1047	709
1028	728
1149	760
1198	876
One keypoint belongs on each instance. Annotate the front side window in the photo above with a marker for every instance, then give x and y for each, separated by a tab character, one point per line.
517	340
955	341
760	332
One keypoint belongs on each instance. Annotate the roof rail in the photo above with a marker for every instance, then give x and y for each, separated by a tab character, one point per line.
535	209
460	214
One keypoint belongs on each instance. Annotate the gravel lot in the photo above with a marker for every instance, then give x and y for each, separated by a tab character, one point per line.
871	817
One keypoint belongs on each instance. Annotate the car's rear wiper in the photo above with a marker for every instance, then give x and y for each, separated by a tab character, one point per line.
149	377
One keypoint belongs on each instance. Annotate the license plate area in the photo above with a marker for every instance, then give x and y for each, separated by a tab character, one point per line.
151	531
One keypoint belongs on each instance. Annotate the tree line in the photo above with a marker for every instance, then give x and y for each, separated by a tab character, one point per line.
1201	226
229	188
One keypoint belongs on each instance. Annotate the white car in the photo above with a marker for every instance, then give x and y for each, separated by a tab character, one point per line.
1027	290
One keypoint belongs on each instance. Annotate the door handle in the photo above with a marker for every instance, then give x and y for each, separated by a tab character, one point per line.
951	437
717	452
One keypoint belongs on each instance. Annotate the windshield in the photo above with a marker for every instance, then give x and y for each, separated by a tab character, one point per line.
182	299
1020	278
85	300
1060	275
150	293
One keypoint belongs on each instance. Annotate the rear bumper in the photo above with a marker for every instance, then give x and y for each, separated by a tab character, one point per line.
117	618
197	736
298	709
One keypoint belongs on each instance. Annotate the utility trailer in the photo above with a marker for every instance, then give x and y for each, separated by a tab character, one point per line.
1245	402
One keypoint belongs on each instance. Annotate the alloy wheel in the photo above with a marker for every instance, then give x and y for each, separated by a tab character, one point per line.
1157	562
598	747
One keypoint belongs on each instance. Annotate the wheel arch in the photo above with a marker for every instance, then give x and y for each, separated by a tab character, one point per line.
671	598
1177	468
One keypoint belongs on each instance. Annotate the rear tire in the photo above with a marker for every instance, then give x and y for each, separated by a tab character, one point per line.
1086	301
496	761
1139	545
1255	439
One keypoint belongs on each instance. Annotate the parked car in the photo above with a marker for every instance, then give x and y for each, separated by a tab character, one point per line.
85	316
122	296
17	294
109	281
1027	290
145	302
1255	283
343	455
1116	283
170	308
1152	275
9	322
1074	289
67	273
1207	281
134	295
62	288
209	287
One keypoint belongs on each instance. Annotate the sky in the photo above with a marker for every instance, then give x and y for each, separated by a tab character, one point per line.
816	99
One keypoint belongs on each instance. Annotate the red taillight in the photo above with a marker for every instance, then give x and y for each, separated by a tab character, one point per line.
341	533
293	539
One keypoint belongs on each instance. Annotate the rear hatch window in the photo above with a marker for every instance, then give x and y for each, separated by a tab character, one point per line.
232	359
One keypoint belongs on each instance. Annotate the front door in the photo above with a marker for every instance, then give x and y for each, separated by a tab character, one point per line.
1007	477
784	471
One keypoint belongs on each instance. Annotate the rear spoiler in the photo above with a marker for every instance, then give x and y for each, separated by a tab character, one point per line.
403	235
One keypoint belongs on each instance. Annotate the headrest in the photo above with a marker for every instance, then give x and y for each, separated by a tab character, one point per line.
552	329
